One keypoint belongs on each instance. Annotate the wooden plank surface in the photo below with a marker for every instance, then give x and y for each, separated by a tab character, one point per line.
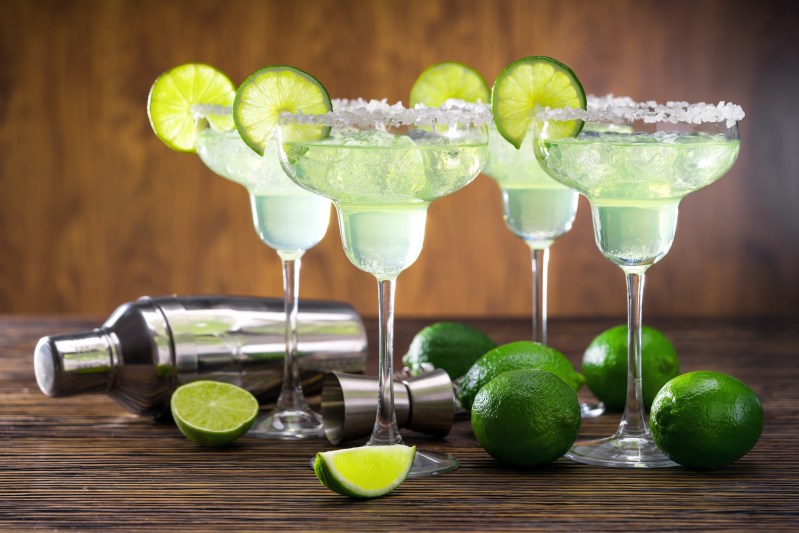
85	463
94	210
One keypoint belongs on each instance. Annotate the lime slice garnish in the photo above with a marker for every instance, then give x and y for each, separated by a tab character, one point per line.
212	413
448	80
271	91
365	472
530	82
169	104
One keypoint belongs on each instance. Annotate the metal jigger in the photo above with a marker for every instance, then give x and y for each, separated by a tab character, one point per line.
422	403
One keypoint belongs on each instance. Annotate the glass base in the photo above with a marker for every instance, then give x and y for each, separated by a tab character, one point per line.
620	452
429	463
288	425
591	409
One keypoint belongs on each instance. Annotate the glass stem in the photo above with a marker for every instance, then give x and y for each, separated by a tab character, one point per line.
540	258
291	396
633	423
385	430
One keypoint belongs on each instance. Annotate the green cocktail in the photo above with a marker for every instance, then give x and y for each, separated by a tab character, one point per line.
288	218
635	183
381	166
634	180
537	208
381	184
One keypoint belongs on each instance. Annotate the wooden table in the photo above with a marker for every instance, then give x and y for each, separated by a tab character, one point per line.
85	463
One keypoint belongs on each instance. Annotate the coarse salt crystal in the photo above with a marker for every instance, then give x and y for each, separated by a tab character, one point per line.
615	109
373	113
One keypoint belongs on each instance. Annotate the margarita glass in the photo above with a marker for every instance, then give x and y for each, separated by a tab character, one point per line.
536	209
634	163
381	166
288	219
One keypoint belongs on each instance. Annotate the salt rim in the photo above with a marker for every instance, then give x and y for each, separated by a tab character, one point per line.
368	113
206	110
611	108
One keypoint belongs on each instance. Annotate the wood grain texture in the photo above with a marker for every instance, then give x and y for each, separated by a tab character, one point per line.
84	463
95	211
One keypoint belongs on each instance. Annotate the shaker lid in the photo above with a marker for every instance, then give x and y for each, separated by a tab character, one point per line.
69	364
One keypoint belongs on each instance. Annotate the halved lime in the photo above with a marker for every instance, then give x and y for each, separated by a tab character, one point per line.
365	472
448	80
530	82
212	413
271	91
169	104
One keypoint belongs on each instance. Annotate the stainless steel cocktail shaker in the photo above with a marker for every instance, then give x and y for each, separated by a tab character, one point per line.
147	348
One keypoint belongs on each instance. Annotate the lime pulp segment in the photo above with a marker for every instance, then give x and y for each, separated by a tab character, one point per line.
365	472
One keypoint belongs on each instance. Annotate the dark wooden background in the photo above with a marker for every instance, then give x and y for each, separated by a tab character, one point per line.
94	210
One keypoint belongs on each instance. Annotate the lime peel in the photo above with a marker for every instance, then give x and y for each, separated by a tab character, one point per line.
450	346
605	365
706	419
364	472
526	417
513	356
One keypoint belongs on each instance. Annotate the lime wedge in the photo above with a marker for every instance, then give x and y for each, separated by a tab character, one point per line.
169	104
365	472
271	91
211	413
443	81
530	82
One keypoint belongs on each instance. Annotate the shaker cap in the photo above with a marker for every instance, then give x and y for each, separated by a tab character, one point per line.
71	364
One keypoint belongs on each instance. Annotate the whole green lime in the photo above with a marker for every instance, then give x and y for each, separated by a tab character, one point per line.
450	346
526	417
605	365
515	356
706	419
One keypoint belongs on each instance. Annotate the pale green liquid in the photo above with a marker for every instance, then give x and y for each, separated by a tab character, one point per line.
635	183
381	185
536	208
635	234
539	216
290	223
382	240
287	217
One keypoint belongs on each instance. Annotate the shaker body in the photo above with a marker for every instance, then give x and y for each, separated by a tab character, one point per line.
149	347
